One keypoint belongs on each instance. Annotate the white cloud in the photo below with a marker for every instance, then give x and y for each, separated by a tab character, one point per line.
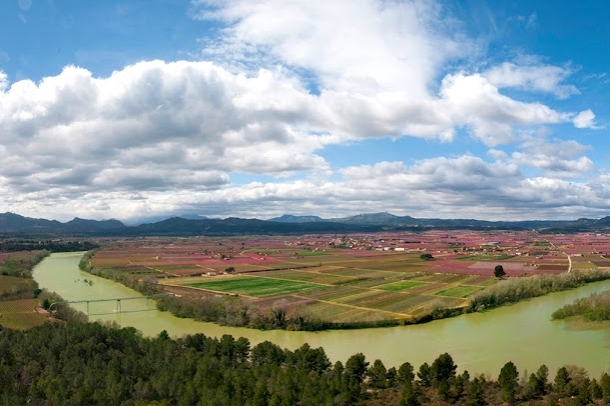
584	119
285	80
376	66
472	100
556	159
461	187
563	168
3	81
142	125
532	78
364	46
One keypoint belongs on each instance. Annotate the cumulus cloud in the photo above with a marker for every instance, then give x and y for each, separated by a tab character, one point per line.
144	124
556	159
532	78
375	65
584	119
472	100
461	187
283	81
363	46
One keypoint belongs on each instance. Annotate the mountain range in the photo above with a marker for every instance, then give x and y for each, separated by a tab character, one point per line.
15	224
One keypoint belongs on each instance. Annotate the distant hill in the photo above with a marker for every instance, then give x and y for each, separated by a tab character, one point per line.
14	224
288	218
382	218
155	219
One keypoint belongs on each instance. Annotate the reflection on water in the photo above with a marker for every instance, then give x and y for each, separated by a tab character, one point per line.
480	342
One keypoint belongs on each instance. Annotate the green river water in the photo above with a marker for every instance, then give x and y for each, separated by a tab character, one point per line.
480	342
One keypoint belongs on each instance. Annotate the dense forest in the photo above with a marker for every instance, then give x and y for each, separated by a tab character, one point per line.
94	364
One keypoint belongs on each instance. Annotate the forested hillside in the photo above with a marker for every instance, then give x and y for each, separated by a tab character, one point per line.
93	364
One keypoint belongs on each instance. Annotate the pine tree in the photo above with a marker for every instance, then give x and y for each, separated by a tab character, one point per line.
508	381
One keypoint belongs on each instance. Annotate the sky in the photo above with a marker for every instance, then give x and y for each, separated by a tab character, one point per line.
140	109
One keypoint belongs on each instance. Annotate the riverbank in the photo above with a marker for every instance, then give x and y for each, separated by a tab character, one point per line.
517	289
592	310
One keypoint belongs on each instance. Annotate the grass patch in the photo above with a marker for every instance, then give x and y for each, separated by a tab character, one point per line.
400	286
307	253
584	266
541	244
255	286
305	276
332	292
458	291
480	281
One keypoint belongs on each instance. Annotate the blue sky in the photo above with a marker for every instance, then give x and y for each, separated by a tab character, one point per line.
452	109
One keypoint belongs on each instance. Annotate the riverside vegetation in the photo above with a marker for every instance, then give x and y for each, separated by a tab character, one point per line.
101	364
516	289
595	307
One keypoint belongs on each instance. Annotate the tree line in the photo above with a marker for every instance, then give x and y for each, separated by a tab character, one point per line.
54	245
595	307
20	264
516	289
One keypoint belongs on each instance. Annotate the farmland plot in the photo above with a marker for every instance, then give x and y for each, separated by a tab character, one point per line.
343	314
409	304
255	286
305	276
401	286
476	280
20	314
375	283
9	284
357	272
332	292
459	291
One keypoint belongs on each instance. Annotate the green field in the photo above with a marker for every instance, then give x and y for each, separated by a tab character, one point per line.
307	253
255	286
400	286
459	291
305	276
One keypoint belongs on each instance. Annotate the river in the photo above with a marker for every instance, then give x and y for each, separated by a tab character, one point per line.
479	342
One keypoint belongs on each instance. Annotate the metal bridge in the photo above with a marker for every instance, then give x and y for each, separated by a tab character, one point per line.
118	301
